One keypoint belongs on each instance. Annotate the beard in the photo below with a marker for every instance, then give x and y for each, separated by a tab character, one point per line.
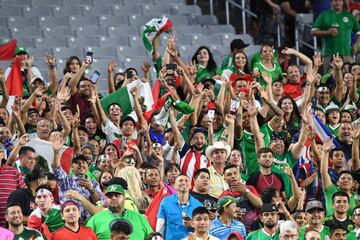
15	224
270	224
196	148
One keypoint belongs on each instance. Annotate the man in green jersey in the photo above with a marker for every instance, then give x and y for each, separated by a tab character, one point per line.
100	221
314	214
355	233
335	27
269	217
14	217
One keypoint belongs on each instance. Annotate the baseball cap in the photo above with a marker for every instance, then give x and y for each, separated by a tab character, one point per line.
224	202
37	78
269	207
115	188
117	180
21	50
314	204
276	136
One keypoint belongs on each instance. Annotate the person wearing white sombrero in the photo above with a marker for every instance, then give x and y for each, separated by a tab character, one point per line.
217	154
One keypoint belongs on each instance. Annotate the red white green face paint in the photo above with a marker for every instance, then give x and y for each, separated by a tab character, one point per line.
44	199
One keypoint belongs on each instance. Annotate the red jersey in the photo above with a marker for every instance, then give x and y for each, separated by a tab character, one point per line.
84	233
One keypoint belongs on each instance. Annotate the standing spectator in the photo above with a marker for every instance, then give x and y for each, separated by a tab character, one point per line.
175	210
217	153
101	220
269	217
335	27
315	216
200	223
14	217
201	190
78	181
225	223
10	180
236	45
248	197
25	197
70	213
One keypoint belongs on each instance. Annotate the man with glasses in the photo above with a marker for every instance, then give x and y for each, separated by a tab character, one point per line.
314	214
288	231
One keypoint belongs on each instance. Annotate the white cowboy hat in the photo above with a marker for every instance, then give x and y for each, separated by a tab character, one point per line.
217	146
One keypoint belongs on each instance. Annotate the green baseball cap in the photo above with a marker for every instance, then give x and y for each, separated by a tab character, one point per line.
224	202
115	188
20	50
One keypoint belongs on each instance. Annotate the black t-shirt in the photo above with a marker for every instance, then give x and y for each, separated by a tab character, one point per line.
25	199
207	200
331	221
347	148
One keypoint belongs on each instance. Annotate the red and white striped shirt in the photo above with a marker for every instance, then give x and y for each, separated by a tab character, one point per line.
191	161
10	180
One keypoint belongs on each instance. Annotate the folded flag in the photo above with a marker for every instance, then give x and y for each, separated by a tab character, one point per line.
7	50
125	100
14	82
322	132
152	28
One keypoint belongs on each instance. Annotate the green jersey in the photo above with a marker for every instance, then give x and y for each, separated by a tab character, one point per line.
227	62
334	130
325	231
345	23
329	192
99	223
262	235
247	146
29	233
351	236
275	72
202	73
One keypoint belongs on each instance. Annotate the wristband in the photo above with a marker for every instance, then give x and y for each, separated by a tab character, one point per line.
52	66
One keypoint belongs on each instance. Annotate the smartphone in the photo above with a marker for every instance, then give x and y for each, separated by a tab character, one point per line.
95	77
211	114
81	176
89	57
171	66
313	103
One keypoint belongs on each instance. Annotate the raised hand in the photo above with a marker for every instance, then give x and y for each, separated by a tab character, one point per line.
57	142
29	61
337	61
146	66
63	94
356	132
317	60
39	91
252	109
2	74
24	139
192	68
328	145
50	59
111	66
267	78
288	51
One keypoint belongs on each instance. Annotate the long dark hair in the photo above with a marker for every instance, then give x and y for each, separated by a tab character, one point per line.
68	63
246	67
295	115
211	63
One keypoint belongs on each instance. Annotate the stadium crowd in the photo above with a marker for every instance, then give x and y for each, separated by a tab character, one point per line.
258	148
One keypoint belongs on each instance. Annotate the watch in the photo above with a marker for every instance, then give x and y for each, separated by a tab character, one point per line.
247	191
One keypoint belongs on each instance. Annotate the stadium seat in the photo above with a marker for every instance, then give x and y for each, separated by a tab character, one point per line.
26	42
108	21
53	21
161	9
51	42
203	20
64	53
47	3
122	31
124	52
229	37
97	10
39	53
213	29
83	21
140	20
95	31
26	32
252	50
102	52
200	39
68	11
186	9
78	3
114	41
4	32
179	20
126	10
38	11
138	2
108	2
196	29
83	41
59	31
11	12
16	22
15	3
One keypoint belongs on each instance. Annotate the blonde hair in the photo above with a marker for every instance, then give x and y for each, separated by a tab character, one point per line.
133	179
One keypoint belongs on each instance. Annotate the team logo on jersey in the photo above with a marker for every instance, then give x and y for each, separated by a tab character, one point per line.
345	19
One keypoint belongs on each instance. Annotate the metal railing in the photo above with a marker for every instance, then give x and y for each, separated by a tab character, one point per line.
304	43
245	11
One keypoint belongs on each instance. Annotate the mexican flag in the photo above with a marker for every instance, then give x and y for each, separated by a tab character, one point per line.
153	27
164	103
14	82
125	100
7	50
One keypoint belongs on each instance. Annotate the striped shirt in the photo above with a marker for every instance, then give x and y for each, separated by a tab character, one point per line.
219	230
10	180
191	161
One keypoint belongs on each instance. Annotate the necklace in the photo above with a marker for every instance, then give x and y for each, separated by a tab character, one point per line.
272	179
